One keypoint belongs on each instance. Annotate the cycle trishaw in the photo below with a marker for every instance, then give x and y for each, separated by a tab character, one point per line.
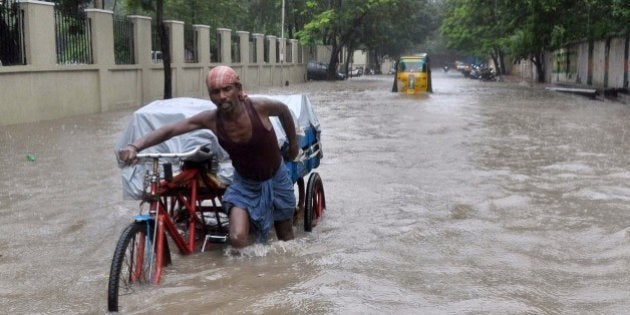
180	192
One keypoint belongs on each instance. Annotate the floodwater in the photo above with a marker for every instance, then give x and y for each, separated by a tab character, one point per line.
481	198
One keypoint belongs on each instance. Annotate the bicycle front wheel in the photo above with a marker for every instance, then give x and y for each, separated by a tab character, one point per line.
131	264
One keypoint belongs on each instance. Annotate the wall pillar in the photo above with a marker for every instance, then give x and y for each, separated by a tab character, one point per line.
176	39
225	37
39	33
272	49
626	61
282	49
102	51
141	39
260	48
294	51
142	48
243	38
203	43
203	56
102	23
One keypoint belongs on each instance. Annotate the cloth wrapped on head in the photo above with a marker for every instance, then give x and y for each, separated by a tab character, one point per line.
221	76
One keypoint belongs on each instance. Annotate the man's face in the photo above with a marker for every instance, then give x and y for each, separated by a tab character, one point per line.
225	96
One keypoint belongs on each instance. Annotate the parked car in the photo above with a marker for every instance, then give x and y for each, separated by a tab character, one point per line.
316	70
462	67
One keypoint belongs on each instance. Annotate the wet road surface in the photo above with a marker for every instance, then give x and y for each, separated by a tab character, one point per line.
481	198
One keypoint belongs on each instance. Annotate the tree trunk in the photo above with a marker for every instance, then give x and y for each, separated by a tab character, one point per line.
502	63
334	60
376	63
538	60
499	61
348	70
495	60
164	46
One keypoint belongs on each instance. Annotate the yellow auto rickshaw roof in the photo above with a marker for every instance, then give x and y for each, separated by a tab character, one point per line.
418	56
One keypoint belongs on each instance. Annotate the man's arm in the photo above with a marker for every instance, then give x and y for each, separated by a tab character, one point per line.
201	120
271	107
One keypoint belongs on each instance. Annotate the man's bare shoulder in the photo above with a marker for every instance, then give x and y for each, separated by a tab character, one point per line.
209	113
266	105
206	118
261	100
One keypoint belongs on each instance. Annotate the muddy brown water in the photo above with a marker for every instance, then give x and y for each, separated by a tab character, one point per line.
481	198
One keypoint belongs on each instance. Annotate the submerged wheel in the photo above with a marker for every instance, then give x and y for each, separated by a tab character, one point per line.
315	202
131	263
299	212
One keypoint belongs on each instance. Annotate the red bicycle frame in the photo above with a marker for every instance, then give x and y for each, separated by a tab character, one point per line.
183	192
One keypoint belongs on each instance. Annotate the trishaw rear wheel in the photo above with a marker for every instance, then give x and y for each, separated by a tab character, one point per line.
315	202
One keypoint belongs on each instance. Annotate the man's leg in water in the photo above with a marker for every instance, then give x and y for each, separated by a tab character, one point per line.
284	229
239	227
284	205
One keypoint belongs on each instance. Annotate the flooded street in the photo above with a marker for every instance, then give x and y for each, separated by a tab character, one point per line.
481	198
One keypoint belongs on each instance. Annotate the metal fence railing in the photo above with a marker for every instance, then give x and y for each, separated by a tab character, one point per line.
215	47
236	48
73	34
156	46
190	44
253	50
266	50
11	34
288	54
123	41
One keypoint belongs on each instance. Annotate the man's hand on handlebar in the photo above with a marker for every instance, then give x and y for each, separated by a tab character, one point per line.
128	154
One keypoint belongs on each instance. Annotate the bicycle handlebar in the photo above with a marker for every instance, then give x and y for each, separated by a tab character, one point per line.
179	155
308	153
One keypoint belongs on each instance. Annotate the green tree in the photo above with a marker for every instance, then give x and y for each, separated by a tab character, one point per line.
546	25
401	28
337	23
386	27
479	27
529	28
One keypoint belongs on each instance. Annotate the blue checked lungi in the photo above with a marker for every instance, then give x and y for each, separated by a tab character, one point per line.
265	201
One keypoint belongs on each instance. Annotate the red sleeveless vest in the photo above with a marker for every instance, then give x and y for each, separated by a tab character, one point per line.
259	158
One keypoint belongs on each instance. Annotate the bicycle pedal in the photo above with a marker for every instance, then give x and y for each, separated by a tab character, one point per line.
216	239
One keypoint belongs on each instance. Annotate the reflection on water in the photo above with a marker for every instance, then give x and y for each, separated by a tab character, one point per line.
483	197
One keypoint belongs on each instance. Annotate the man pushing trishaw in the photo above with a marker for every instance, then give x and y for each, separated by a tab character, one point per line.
261	193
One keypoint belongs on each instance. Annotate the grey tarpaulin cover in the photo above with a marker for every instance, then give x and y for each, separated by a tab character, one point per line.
164	112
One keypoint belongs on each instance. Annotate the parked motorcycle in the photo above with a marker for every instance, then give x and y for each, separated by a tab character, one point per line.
482	72
487	74
475	72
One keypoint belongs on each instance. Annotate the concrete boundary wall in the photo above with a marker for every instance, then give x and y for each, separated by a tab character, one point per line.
602	64
43	89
